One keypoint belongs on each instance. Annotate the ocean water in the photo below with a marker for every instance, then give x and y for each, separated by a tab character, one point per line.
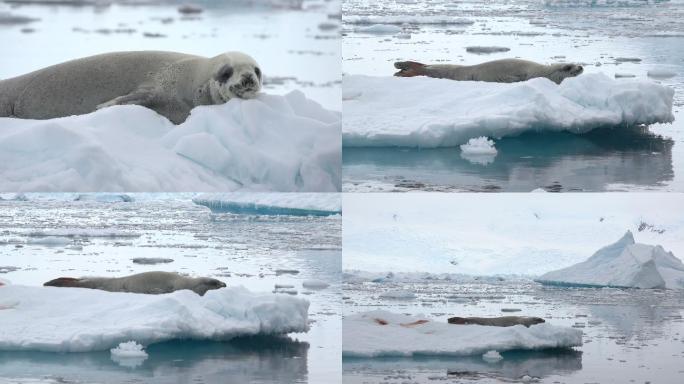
297	49
238	249
650	34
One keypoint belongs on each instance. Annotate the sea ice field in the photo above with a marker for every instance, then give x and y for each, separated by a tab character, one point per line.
628	42
457	255
295	119
272	261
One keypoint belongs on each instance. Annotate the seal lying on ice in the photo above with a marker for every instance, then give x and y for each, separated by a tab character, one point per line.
147	282
170	83
504	321
498	71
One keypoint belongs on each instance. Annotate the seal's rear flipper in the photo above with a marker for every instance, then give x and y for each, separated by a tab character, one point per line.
144	97
409	68
62	282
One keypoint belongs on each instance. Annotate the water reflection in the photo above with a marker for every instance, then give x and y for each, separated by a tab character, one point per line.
515	364
244	360
595	161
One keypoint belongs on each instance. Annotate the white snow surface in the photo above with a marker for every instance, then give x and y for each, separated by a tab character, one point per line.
479	146
365	337
328	202
280	143
56	319
624	264
129	349
433	113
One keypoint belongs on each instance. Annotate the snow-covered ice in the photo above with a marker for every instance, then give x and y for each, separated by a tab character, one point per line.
492	356
624	264
382	333
440	112
299	204
398	294
90	320
282	143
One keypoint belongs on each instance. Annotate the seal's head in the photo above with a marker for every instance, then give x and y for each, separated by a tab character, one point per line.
234	74
561	71
204	284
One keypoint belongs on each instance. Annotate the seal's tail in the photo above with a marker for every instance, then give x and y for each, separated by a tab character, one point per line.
409	68
62	282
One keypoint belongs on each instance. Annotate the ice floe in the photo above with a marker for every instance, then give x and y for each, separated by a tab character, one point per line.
381	333
379	29
82	232
624	264
315	284
285	143
77	320
407	19
479	146
440	113
661	74
299	204
129	349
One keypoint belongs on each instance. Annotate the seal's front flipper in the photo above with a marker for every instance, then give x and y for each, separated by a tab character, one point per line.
138	97
409	68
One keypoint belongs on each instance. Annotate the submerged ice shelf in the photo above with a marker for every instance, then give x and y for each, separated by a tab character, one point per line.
300	204
79	320
435	113
284	143
382	333
624	264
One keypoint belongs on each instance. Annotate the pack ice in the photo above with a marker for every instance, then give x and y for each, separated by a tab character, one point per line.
293	204
428	113
624	264
404	335
55	319
284	143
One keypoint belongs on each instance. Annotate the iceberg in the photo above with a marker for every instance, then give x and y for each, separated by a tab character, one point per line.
291	204
386	334
433	113
286	143
624	264
52	319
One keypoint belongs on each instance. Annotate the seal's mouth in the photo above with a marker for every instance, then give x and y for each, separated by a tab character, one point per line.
247	88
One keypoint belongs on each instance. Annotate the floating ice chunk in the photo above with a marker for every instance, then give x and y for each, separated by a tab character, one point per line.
661	74
442	113
492	356
151	260
382	333
292	204
623	264
82	232
622	75
129	349
285	143
77	320
283	286
49	241
398	294
407	19
379	29
479	146
628	60
315	284
479	50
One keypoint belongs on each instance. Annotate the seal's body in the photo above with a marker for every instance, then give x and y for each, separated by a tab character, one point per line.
147	282
504	321
499	71
170	83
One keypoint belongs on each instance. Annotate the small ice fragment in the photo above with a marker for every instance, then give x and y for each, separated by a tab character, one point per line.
315	284
620	75
660	74
286	272
284	286
287	291
399	294
403	35
479	50
479	146
328	26
511	309
188	9
628	59
151	260
129	349
492	356
379	29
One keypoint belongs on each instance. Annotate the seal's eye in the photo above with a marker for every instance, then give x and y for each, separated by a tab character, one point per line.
224	74
258	72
